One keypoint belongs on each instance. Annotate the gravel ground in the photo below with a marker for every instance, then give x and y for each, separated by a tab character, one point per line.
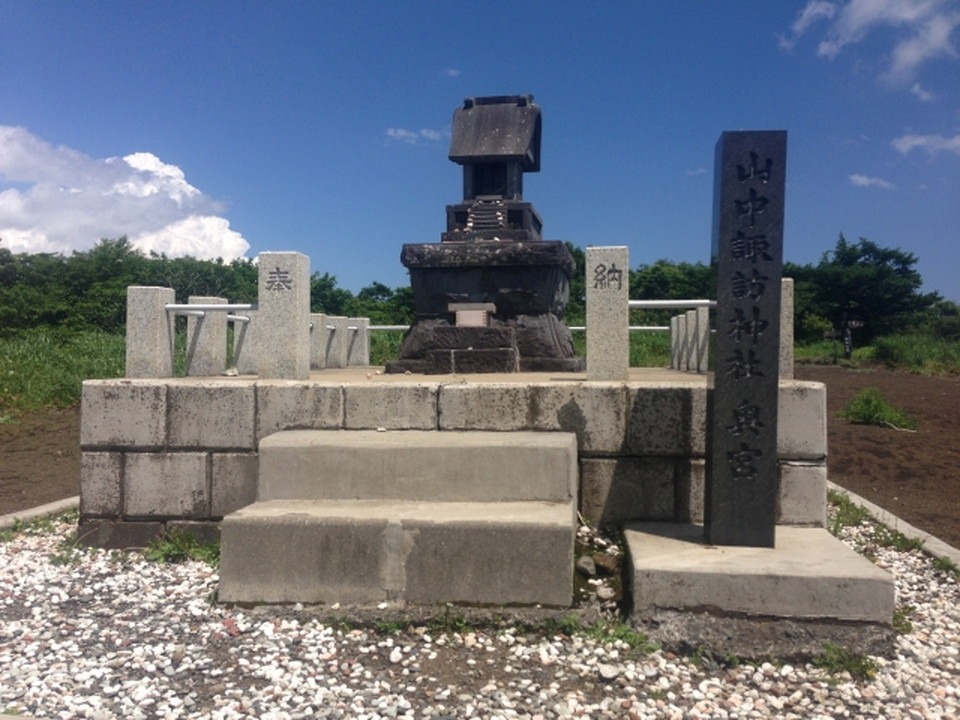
103	634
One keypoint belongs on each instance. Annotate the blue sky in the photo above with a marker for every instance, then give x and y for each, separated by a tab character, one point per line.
231	128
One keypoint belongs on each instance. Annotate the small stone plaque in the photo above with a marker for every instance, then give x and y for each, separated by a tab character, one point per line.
741	484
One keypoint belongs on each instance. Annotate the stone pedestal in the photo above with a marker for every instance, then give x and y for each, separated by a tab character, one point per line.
528	283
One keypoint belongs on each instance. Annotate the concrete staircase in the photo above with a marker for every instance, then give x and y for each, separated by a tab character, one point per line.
406	516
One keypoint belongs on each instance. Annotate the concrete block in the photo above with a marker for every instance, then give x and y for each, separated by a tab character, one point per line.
233	482
808	574
666	419
166	485
149	332
608	314
514	556
288	404
802	498
101	476
596	412
486	406
245	344
615	490
690	484
283	316
207	339
123	414
676	339
415	465
802	421
211	414
203	531
256	564
390	406
117	534
358	345
690	334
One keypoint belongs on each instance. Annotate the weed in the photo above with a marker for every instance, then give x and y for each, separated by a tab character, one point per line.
178	546
845	512
869	407
901	618
68	552
390	627
895	539
449	622
606	632
836	659
946	566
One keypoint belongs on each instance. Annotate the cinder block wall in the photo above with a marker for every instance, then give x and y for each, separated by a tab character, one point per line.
182	452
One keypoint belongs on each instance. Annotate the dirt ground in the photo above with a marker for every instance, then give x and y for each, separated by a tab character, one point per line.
913	475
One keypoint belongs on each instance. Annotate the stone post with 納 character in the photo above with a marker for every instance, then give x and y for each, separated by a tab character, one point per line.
608	313
283	316
741	482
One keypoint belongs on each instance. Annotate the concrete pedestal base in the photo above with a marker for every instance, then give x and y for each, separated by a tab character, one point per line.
786	600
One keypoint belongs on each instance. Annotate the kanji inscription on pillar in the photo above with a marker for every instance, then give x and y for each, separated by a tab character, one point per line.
741	487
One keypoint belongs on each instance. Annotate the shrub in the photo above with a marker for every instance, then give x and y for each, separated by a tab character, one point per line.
869	407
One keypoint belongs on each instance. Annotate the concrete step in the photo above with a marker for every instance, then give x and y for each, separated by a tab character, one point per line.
368	551
418	465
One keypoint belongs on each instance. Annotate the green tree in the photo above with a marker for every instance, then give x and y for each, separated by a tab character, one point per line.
864	282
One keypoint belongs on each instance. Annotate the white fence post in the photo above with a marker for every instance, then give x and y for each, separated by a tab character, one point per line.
206	339
608	313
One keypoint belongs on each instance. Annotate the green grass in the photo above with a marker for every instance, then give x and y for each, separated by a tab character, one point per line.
870	407
45	368
385	346
846	513
919	353
177	546
901	618
946	566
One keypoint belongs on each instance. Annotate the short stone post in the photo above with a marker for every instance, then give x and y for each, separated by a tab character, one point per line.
675	342
740	503
245	344
338	341
786	329
206	338
702	339
358	349
608	313
318	340
149	332
690	361
283	316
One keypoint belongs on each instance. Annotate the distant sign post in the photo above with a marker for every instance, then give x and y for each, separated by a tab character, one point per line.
741	483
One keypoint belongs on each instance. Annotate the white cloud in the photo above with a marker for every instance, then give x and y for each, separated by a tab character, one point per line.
698	171
59	200
922	93
932	144
452	72
923	30
865	181
412	137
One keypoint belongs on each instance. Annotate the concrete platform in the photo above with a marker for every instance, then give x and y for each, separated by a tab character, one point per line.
364	551
784	602
418	465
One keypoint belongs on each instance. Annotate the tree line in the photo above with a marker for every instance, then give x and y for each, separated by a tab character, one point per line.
876	288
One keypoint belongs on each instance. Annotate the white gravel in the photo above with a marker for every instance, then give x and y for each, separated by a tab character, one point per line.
109	635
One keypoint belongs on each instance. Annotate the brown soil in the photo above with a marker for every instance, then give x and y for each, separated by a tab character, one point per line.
914	475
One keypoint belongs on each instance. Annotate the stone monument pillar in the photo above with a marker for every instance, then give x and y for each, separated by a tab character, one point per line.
740	503
490	296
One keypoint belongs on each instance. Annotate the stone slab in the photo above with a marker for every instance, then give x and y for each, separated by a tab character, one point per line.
233	482
595	411
802	498
802	420
117	534
290	404
615	490
417	465
666	419
425	552
808	574
492	406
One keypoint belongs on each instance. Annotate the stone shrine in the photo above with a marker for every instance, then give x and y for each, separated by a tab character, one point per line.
490	296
